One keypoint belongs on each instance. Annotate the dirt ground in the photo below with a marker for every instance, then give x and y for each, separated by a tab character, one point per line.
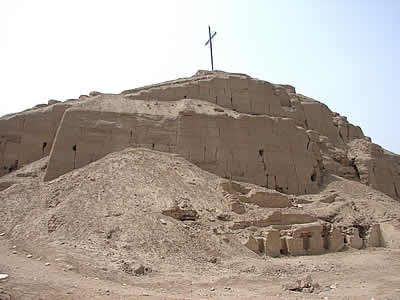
352	274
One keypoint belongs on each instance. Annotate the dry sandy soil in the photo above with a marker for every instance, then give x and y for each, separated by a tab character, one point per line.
88	230
364	274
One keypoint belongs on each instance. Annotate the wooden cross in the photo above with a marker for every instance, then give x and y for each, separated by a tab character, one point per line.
210	42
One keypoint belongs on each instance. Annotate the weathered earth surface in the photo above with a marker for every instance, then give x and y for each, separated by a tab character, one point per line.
214	186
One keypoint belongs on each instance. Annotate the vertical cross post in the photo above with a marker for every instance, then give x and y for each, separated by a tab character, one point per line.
210	42
212	61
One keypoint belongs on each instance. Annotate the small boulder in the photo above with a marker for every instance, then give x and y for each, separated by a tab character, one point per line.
213	260
135	269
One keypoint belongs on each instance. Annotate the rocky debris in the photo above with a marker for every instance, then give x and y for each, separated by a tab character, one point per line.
94	93
305	285
182	212
224	216
135	269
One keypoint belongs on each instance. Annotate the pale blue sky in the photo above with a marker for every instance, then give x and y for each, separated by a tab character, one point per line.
343	53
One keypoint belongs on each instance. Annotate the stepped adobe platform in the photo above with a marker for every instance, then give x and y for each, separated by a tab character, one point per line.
233	125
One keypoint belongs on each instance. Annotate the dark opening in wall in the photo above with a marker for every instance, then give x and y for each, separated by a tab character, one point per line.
353	164
74	149
325	237
13	167
44	145
261	152
152	146
306	242
313	177
184	97
362	230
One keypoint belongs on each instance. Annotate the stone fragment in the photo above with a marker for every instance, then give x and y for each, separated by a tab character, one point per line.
252	244
335	240
238	207
272	243
374	236
182	214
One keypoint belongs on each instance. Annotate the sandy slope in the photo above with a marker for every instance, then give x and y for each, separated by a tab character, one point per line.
95	221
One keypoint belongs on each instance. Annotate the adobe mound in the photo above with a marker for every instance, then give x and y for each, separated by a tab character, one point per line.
232	125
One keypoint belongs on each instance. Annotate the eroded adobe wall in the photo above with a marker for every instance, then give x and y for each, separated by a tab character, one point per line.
268	151
28	136
85	136
376	167
251	96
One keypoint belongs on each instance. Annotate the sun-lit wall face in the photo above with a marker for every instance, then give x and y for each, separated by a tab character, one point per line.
344	54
